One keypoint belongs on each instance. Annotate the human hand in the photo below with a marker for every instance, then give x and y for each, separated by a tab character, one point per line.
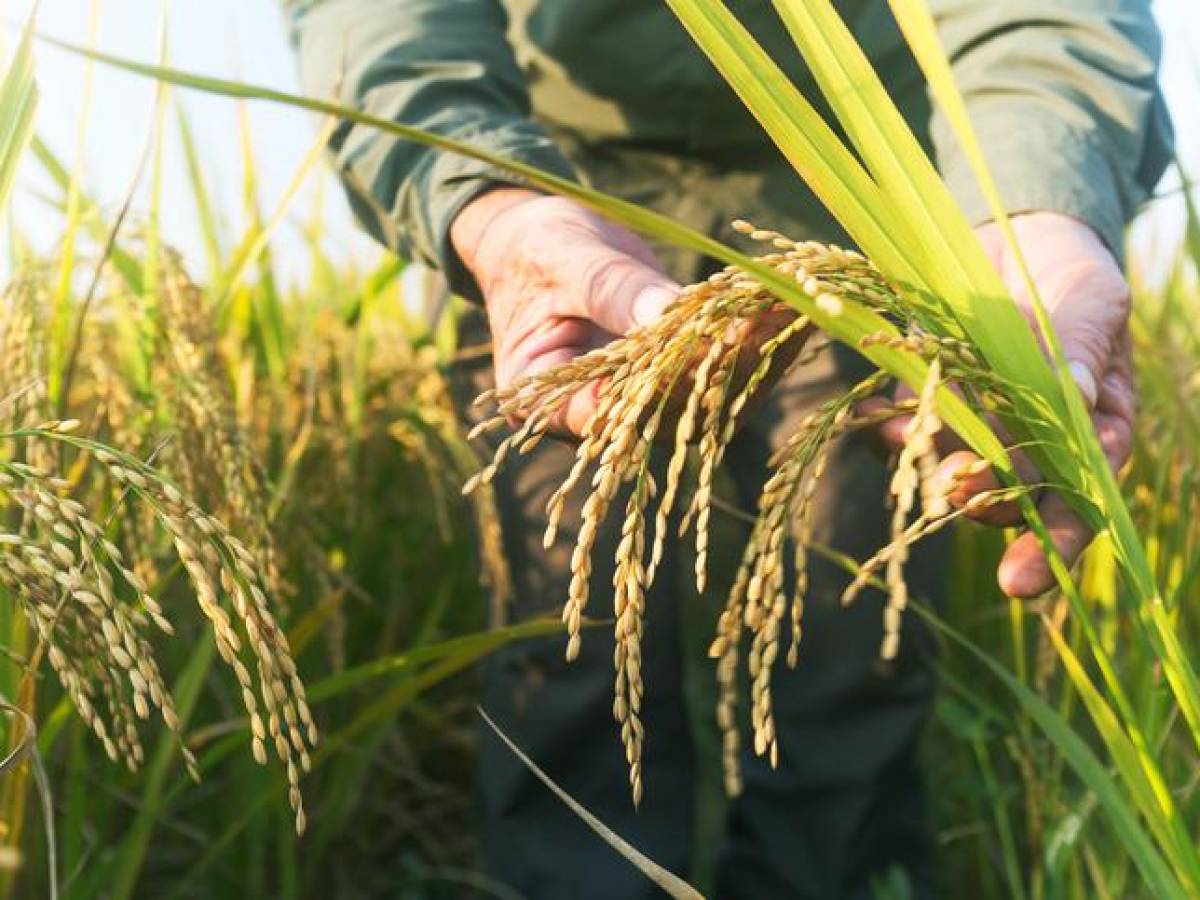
1088	301
558	281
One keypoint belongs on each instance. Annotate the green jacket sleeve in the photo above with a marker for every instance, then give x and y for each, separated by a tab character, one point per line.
441	65
1065	99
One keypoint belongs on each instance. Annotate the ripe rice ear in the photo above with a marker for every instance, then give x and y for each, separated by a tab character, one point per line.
91	611
693	353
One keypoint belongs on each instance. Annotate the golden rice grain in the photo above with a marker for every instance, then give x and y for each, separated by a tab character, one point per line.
689	361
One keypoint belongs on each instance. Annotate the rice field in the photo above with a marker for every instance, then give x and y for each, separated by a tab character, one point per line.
250	556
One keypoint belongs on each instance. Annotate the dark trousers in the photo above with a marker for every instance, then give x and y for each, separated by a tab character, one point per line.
845	804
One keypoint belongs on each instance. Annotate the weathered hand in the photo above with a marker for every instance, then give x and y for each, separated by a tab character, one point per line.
1088	301
558	281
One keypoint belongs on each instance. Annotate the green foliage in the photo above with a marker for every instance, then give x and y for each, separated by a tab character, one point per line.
332	411
1067	735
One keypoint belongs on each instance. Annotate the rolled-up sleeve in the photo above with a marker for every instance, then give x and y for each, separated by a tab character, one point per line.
1065	99
441	65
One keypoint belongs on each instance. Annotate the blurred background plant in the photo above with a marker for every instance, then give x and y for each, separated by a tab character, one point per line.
317	422
1011	821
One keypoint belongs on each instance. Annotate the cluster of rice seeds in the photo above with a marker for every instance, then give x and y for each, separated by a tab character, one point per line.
62	569
125	421
713	402
218	563
952	353
687	359
914	469
22	386
696	344
629	610
958	361
494	570
217	462
828	273
418	443
758	601
928	523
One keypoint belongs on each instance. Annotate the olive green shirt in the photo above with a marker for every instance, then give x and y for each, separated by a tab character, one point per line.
1063	93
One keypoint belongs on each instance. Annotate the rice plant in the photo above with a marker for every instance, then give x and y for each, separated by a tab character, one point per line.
193	476
693	353
100	559
1073	762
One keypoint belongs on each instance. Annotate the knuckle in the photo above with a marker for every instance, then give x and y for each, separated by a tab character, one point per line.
603	277
1095	281
1088	335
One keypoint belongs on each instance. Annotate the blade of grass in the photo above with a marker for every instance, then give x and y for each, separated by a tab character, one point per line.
950	257
18	102
727	43
132	332
882	137
475	645
258	311
669	882
1072	748
800	133
209	233
1003	822
1147	788
76	802
60	315
26	750
919	29
1082	760
153	229
256	238
129	268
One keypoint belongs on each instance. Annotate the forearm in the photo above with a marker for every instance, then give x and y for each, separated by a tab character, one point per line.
1063	94
440	65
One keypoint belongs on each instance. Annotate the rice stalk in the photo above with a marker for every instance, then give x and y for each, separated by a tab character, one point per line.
692	363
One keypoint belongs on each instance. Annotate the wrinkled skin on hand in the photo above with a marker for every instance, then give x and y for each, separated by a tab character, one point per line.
559	280
1088	302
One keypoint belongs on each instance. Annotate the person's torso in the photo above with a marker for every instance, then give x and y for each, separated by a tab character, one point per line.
627	71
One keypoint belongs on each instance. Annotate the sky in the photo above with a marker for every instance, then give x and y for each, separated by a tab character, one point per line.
247	40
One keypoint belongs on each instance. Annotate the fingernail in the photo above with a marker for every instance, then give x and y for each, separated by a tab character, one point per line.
650	303
1085	380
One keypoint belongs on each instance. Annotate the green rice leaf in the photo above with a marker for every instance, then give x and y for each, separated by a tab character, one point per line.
18	102
1142	777
849	326
671	884
209	232
1124	820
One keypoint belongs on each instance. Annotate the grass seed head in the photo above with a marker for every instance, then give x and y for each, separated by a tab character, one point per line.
690	359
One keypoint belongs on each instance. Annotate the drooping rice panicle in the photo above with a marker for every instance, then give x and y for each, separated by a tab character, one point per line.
91	610
693	362
914	468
